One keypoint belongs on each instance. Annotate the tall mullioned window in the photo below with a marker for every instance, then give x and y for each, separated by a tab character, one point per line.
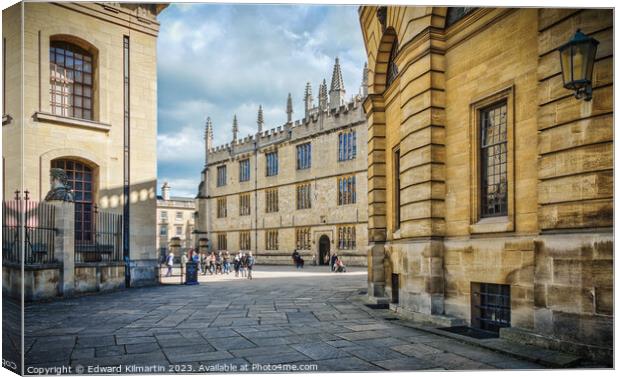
346	237
221	175
302	238
304	156
221	207
347	146
71	80
222	241
245	241
244	204
396	189
244	170
346	190
304	196
272	163
493	155
271	200
271	239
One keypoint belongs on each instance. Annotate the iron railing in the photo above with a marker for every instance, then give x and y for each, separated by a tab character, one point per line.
31	223
106	243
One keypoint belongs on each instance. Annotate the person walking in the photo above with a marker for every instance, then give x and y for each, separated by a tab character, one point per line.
243	265
212	263
296	258
237	264
227	263
218	262
169	263
203	263
250	263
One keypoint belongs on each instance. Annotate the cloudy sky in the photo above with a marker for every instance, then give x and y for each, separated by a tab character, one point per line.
218	60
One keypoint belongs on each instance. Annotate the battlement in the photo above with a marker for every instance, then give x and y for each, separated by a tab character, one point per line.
318	120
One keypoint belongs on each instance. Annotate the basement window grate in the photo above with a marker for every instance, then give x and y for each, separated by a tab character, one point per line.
490	306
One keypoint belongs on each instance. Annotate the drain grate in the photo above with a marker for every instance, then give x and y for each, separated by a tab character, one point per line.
378	306
470	332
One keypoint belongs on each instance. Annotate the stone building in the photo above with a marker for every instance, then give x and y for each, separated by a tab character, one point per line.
490	185
298	186
175	218
80	93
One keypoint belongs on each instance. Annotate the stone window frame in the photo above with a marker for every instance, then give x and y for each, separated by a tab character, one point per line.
304	156
304	196
271	164
271	239
221	176
164	215
222	241
347	239
163	231
244	204
271	200
221	208
347	190
244	170
496	224
179	230
302	238
245	240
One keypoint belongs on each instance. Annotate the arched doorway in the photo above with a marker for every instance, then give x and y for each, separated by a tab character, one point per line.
324	246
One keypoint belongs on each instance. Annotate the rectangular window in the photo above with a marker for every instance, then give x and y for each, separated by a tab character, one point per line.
303	196
346	237
271	239
245	242
493	154
304	156
396	190
347	146
179	216
179	230
164	215
163	231
222	242
244	204
346	190
221	176
490	306
221	207
302	237
272	163
271	200
244	170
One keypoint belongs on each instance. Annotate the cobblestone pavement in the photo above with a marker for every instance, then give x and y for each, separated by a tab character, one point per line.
310	318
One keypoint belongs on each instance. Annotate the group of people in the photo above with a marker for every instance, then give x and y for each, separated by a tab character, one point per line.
335	262
216	263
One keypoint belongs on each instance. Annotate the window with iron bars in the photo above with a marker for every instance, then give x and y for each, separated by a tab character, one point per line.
244	204
244	170
272	163
221	175
346	190
245	242
304	196
346	237
271	239
222	241
302	237
493	158
271	200
304	156
347	146
221	207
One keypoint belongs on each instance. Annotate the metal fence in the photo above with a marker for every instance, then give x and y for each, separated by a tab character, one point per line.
32	224
106	243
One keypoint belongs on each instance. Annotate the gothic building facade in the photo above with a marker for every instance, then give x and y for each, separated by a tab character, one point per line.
490	185
300	186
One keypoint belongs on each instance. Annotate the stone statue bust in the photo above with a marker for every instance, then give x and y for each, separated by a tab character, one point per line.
60	189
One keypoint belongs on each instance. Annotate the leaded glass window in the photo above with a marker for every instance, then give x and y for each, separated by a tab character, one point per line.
493	157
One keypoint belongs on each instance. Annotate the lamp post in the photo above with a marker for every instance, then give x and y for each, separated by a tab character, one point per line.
577	62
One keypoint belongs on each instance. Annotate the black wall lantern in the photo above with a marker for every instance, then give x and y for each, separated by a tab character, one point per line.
577	61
